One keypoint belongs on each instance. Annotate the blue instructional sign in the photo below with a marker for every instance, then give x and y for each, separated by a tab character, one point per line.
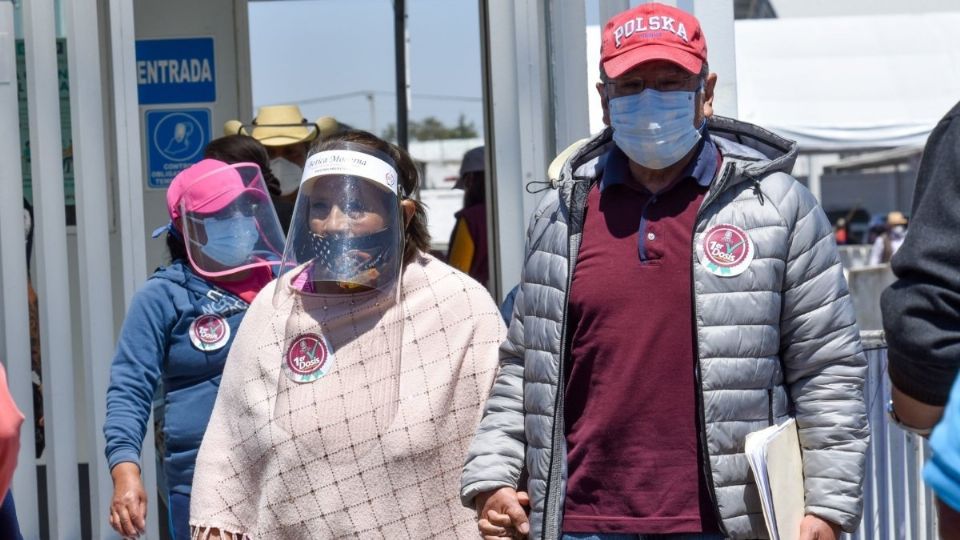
175	71
175	140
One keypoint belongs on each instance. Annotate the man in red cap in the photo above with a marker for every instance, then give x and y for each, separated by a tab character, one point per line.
681	291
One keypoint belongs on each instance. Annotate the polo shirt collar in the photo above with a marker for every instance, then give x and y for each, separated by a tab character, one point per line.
702	168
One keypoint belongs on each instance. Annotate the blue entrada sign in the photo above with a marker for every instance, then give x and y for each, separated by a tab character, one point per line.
175	140
175	71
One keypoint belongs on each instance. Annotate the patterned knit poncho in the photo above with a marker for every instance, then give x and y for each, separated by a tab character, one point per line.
351	454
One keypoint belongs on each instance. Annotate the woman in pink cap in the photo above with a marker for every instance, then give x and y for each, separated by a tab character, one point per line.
225	243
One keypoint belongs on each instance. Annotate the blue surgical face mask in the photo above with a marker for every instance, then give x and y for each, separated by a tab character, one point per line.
230	240
655	129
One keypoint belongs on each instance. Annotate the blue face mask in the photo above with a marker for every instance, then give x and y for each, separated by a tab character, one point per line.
655	129
230	240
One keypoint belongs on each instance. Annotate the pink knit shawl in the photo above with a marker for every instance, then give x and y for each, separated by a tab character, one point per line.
259	478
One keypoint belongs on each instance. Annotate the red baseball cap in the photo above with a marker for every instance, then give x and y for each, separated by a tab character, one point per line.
210	185
652	32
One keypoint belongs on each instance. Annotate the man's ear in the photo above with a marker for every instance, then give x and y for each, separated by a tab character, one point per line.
604	101
409	208
708	87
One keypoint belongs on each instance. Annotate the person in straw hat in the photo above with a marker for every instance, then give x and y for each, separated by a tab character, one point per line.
890	241
287	135
246	149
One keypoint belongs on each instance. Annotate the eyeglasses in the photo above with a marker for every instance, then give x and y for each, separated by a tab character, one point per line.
665	84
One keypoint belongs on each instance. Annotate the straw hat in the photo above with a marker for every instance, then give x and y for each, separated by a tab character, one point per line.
896	218
279	125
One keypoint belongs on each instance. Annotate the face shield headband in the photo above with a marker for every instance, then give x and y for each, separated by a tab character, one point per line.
350	159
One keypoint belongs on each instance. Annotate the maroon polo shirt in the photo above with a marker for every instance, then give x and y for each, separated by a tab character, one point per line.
633	454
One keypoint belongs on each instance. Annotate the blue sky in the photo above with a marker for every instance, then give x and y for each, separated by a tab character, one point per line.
308	50
311	49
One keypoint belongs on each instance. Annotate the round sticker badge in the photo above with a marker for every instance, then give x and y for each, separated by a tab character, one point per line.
726	250
308	358
209	332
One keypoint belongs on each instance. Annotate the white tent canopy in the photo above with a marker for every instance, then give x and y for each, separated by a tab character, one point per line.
849	82
842	83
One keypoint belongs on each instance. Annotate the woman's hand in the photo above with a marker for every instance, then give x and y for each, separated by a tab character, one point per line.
128	509
816	528
501	514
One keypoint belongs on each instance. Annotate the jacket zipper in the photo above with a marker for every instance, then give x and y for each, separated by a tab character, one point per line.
550	526
704	448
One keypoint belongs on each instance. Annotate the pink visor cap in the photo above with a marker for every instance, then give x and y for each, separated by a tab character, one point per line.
652	32
210	185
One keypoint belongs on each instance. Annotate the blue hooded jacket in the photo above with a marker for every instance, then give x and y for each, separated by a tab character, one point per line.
155	346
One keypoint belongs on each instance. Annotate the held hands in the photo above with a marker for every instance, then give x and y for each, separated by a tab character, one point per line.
815	528
128	509
500	513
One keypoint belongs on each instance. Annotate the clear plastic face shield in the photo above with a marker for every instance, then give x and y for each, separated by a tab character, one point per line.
229	224
346	234
341	281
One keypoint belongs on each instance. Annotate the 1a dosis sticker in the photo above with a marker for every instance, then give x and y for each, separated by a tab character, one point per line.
308	358
209	332
726	250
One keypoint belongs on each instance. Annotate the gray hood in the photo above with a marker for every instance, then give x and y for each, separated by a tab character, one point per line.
754	151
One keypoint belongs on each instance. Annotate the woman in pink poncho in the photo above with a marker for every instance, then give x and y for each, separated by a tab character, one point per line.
358	377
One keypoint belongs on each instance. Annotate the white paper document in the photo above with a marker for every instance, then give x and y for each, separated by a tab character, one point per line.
777	464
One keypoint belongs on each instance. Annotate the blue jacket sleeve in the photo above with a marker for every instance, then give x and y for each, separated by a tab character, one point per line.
942	471
135	371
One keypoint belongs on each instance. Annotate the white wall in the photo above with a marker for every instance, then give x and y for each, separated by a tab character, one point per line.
188	18
441	159
826	8
866	284
220	19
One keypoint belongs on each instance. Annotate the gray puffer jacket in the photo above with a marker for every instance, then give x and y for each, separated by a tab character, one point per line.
778	340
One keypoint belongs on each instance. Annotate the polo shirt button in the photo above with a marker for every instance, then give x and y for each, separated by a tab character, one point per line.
651	236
